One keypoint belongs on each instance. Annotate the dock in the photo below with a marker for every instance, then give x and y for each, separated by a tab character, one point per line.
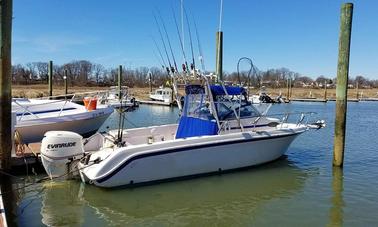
30	156
148	102
349	100
330	99
369	99
309	100
3	220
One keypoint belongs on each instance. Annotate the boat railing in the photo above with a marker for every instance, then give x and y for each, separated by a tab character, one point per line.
224	126
284	118
302	117
26	108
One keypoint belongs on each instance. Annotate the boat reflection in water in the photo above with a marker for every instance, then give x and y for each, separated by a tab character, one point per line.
222	199
62	204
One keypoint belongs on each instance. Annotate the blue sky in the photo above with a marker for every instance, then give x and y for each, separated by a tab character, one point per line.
301	35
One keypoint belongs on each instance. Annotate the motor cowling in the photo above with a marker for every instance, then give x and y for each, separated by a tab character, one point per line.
59	151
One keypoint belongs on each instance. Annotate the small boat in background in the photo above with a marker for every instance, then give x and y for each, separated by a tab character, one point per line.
263	97
34	117
162	94
112	98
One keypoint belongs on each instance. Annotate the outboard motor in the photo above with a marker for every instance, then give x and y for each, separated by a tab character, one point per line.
60	153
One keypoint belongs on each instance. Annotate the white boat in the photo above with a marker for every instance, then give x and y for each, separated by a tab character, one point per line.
34	117
162	94
112	99
215	134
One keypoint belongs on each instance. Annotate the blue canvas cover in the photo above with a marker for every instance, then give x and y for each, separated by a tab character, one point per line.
190	126
196	119
218	90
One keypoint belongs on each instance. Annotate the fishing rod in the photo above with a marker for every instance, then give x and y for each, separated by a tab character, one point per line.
193	66
199	45
169	42
165	47
172	70
158	59
185	65
164	65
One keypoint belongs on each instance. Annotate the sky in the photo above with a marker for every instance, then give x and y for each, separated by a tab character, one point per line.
301	35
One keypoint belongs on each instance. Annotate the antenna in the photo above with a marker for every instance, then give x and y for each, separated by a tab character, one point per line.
199	46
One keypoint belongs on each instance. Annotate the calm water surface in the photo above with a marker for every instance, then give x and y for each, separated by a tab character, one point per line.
300	189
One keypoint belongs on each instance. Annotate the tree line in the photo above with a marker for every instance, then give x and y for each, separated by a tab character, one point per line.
86	73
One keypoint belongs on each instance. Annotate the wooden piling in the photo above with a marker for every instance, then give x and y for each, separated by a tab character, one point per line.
65	82
288	89
150	80
119	82
342	83
50	68
219	55
5	83
325	90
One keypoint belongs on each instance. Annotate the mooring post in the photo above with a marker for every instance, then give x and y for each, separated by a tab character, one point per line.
150	80
65	82
50	77
325	90
119	82
288	91
219	55
290	88
5	83
342	83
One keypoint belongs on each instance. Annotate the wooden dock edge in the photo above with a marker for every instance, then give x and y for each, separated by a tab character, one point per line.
154	103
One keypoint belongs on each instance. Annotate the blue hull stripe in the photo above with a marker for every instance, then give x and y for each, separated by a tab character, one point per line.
46	111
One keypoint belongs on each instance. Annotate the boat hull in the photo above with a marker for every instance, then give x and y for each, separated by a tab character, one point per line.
189	161
85	125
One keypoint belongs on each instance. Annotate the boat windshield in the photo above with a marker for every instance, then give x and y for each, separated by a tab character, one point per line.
226	110
234	101
196	104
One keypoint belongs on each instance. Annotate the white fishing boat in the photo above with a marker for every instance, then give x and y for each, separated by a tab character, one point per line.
162	94
112	99
215	134
34	117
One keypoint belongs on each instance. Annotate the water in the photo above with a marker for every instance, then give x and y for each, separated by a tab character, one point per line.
300	189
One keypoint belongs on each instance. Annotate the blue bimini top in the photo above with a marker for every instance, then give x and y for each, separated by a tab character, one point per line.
218	90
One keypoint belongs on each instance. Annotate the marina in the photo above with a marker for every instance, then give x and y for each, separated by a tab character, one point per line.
302	178
139	129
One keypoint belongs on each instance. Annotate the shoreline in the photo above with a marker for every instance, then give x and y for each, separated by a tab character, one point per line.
141	93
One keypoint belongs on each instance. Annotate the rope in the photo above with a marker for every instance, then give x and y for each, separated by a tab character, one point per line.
45	178
19	145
